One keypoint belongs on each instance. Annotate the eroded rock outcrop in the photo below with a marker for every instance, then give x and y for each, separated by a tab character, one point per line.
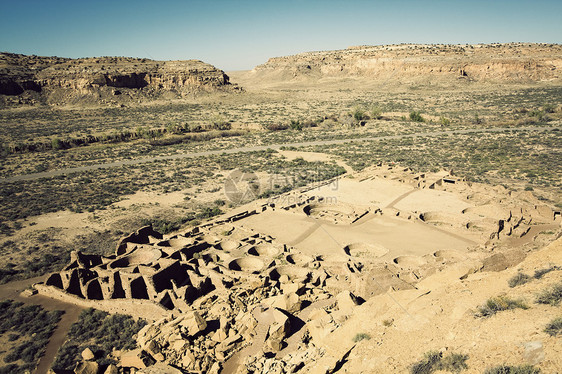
54	80
506	62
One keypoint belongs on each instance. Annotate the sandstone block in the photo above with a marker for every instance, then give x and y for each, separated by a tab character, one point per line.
86	367
136	358
194	323
87	354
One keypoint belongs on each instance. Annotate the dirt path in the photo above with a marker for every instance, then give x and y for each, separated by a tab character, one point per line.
400	198
71	313
54	173
12	291
305	234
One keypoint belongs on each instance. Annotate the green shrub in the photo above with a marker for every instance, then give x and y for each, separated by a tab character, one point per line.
208	212
537	113
276	127
358	114
498	304
505	369
376	112
12	369
33	326
416	116
549	108
518	279
434	361
444	121
361	336
455	362
551	296
295	125
554	327
166	226
428	364
98	331
67	356
56	144
218	122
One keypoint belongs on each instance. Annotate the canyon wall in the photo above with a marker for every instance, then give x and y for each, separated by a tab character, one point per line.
515	62
54	80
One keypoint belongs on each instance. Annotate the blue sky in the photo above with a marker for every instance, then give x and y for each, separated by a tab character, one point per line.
241	34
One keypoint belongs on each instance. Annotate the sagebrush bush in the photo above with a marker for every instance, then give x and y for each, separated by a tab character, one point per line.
295	125
376	112
416	116
505	369
358	114
361	336
98	331
549	108
541	272
498	304
434	361
518	279
33	326
551	296
554	327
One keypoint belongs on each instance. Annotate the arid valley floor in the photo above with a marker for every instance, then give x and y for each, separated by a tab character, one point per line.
372	210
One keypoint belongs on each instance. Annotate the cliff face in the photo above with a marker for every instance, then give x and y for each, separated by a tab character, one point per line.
60	80
506	62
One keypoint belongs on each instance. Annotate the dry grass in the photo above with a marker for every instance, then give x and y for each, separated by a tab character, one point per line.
499	303
551	296
518	279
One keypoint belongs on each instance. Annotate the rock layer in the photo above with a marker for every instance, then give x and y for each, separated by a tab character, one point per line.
62	80
511	62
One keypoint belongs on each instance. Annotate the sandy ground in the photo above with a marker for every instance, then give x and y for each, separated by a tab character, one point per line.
439	316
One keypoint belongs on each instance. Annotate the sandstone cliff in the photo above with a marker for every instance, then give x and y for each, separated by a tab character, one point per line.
515	62
54	80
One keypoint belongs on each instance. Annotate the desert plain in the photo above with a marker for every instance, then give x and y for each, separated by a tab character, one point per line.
377	209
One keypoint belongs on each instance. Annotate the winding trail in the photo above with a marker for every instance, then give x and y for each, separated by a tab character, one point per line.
12	290
54	173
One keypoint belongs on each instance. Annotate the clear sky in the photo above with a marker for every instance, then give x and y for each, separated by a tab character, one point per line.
240	34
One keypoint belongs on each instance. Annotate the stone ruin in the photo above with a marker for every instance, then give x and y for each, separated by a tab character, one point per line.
233	296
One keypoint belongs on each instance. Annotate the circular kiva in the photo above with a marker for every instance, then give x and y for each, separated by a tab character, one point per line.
210	238
228	245
264	250
299	259
291	272
409	261
141	256
249	264
365	250
180	241
316	209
